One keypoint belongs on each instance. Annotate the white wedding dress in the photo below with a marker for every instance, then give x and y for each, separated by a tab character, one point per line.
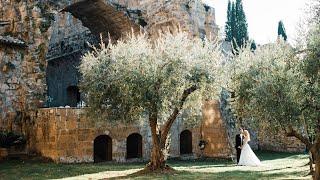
247	156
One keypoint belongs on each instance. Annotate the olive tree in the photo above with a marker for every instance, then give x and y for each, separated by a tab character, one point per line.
159	80
277	88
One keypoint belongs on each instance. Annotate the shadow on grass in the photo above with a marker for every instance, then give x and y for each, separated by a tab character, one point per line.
201	162
16	169
269	155
247	175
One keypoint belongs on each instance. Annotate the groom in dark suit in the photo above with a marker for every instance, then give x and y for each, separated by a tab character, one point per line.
239	143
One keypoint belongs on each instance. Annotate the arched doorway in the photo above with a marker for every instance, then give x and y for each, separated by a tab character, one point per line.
102	148
73	96
134	146
186	142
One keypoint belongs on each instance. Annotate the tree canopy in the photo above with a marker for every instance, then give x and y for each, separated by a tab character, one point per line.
277	89
154	81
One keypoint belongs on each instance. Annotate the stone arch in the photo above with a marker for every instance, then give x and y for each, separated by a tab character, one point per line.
73	96
134	146
102	148
104	17
186	142
78	24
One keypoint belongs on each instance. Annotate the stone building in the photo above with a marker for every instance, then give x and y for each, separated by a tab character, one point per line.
66	135
41	45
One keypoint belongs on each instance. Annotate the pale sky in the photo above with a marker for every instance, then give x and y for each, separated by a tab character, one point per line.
263	17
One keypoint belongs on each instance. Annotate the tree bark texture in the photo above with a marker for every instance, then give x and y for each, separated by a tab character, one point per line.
158	146
314	148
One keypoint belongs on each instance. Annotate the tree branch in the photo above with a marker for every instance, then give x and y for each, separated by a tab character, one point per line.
293	133
175	113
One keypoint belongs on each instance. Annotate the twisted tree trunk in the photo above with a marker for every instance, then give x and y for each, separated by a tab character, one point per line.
314	149
316	155
317	169
158	161
157	156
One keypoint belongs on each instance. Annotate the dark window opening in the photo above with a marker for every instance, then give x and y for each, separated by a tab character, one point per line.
73	96
186	142
134	146
102	148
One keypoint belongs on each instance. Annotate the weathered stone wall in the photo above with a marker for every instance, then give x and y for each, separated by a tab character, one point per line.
192	16
214	132
69	41
61	74
23	84
280	143
69	36
260	139
66	135
22	68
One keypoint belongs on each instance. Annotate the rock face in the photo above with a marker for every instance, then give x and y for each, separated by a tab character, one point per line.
24	44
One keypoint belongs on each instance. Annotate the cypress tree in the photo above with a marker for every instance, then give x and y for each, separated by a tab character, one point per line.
236	25
233	23
282	31
242	26
228	27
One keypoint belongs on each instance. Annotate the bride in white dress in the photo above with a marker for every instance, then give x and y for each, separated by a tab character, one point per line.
247	157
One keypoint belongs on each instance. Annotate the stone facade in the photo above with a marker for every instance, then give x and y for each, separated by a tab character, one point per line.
70	36
280	143
39	54
22	68
66	135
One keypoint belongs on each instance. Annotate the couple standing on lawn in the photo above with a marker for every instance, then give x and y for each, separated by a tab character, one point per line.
245	155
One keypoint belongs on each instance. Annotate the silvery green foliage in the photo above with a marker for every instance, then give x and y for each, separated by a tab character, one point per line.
271	88
310	89
264	82
122	80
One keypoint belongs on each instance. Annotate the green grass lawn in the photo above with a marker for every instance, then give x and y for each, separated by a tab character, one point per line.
275	166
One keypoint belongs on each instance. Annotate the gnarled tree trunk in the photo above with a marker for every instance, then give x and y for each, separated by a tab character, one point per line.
316	155
157	157
158	161
314	149
317	170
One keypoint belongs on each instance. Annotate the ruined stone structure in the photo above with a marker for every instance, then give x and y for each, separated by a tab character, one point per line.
87	19
66	135
24	40
41	43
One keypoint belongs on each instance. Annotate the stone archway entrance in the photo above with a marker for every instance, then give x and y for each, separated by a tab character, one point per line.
186	142
102	148
134	146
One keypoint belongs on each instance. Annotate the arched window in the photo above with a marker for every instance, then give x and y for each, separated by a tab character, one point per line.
186	142
73	96
134	146
102	148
